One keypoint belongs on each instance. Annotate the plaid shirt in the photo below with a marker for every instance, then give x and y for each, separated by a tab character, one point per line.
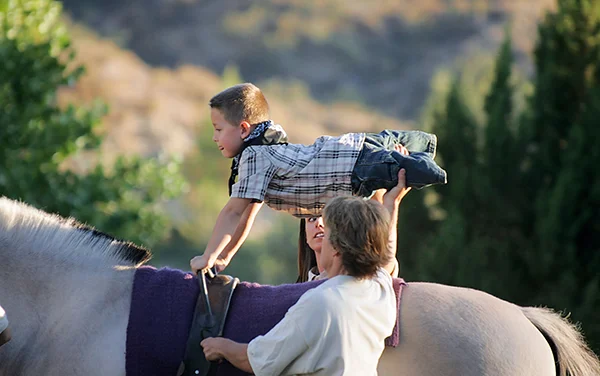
299	179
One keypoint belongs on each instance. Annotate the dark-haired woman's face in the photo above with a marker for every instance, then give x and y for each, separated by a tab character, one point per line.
314	233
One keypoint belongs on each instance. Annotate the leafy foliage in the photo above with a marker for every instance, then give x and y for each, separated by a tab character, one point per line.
38	139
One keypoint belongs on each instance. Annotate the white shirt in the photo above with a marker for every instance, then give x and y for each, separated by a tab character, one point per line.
337	328
314	275
299	179
3	320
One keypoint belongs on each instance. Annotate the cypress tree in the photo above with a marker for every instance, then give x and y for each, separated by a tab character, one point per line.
565	59
568	227
445	257
500	162
562	179
455	127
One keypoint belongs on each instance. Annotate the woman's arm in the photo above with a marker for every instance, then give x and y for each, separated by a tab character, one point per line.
391	201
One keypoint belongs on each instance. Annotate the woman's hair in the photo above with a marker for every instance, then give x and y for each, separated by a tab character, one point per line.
243	102
306	255
359	230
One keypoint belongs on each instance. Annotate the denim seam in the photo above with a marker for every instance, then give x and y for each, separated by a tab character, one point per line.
432	145
372	164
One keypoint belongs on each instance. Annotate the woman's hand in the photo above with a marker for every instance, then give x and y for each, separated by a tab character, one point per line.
214	348
219	349
391	199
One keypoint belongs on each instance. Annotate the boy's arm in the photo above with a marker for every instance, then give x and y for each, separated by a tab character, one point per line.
240	234
230	228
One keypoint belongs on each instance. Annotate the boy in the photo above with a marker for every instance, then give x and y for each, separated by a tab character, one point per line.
300	179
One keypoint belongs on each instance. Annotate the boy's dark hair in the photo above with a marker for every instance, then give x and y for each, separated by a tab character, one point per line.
359	230
243	102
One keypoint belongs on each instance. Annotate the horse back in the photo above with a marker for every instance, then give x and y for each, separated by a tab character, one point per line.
447	330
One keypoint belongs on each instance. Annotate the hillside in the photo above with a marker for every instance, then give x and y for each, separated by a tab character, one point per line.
382	54
156	64
159	109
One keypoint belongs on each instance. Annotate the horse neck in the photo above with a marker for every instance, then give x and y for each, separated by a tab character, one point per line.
40	281
53	262
57	275
45	251
37	239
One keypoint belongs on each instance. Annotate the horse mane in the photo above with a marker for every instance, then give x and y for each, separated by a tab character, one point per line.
35	232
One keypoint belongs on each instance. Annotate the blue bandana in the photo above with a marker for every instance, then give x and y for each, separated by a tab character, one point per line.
260	129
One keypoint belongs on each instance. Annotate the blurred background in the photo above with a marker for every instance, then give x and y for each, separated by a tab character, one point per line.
104	117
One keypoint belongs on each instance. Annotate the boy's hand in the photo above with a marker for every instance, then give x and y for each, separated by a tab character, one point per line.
200	263
221	264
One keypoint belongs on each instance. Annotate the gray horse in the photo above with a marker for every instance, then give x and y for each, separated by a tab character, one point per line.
69	288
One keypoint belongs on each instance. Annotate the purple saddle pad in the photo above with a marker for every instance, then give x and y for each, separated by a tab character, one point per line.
162	307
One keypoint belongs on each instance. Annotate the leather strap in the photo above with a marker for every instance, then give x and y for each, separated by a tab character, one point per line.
209	320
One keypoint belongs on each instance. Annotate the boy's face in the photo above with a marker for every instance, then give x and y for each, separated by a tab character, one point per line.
229	137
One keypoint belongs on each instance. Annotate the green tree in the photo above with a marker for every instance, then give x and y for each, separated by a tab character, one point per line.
38	138
564	261
444	256
567	63
566	58
472	244
497	239
415	231
568	227
500	157
456	130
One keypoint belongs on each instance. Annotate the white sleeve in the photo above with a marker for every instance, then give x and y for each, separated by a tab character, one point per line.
284	349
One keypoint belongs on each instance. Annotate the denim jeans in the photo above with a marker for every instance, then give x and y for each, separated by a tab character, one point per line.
378	163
